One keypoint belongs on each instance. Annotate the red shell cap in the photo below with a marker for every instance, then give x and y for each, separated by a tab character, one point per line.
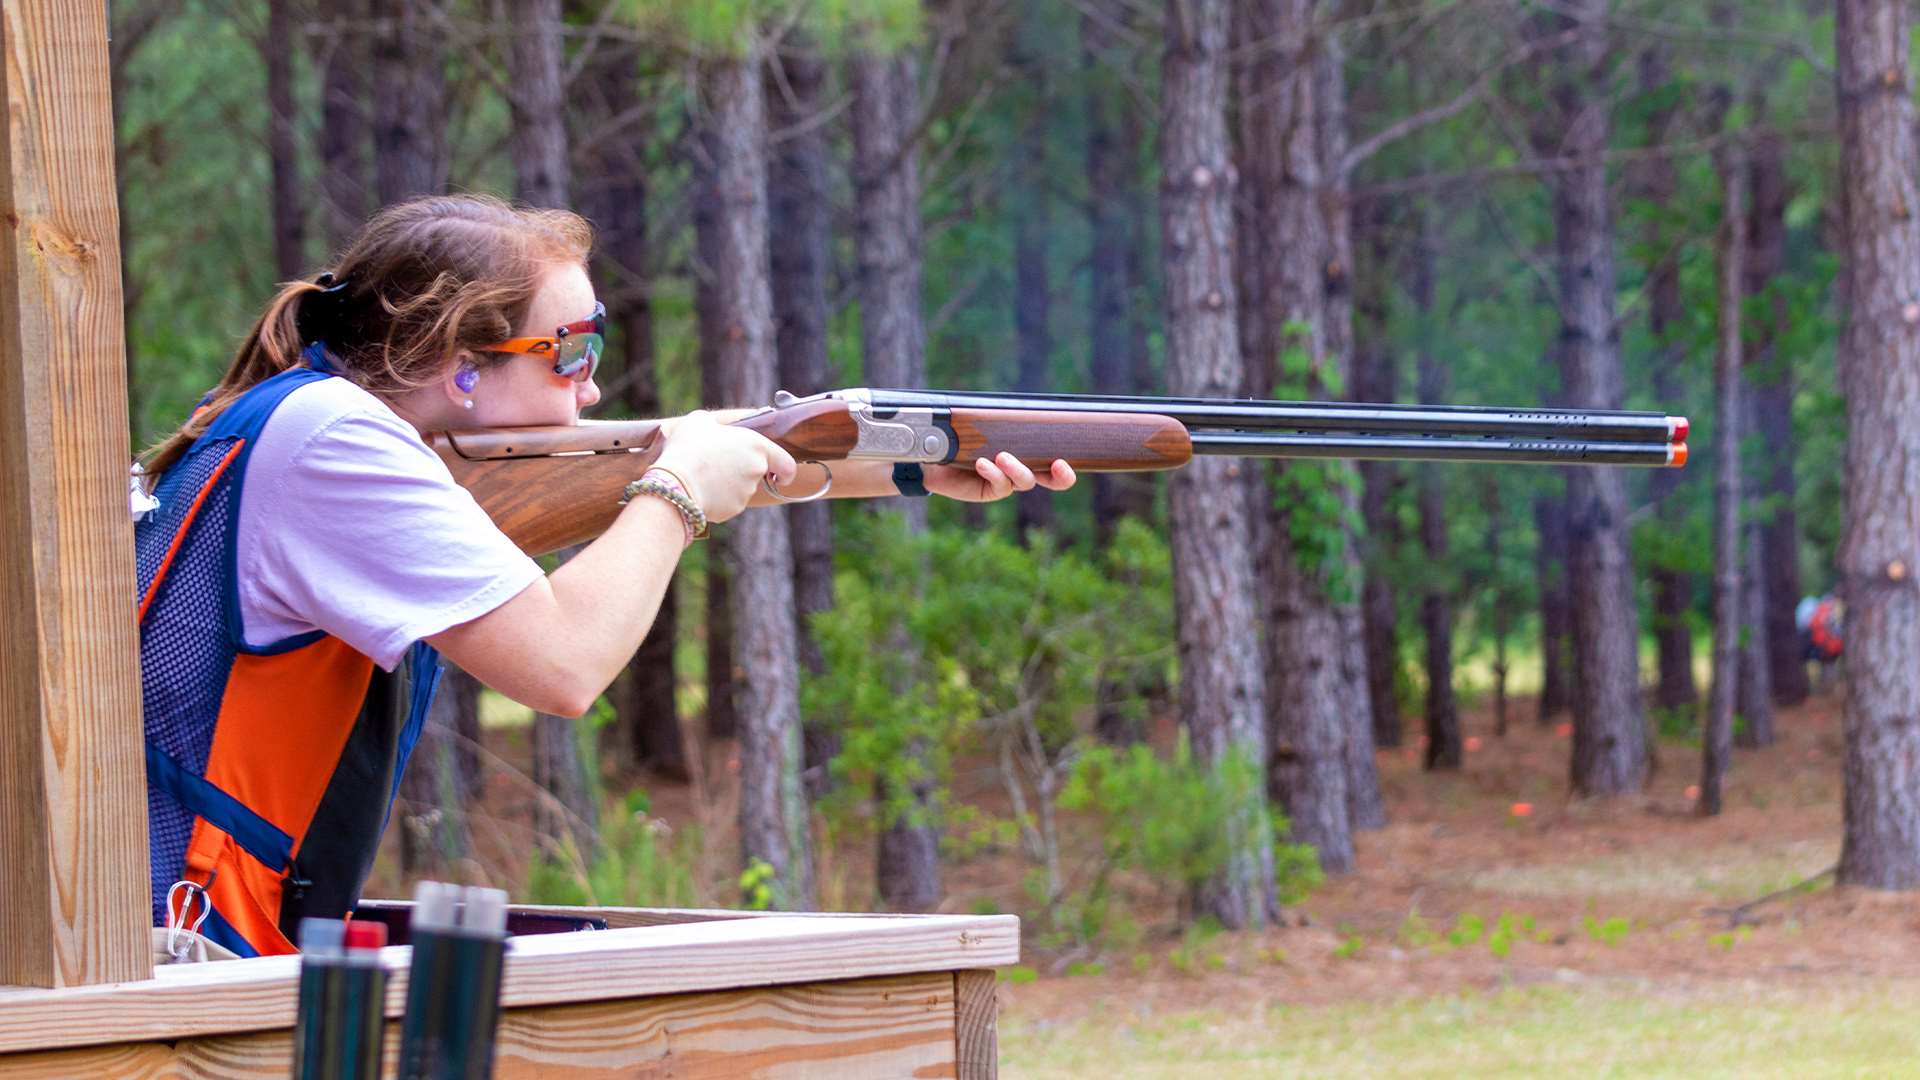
1677	429
366	935
1677	455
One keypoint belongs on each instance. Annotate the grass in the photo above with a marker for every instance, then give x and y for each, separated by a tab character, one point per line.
1727	1030
1722	873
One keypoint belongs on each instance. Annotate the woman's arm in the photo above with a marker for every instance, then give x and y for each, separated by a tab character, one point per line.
561	642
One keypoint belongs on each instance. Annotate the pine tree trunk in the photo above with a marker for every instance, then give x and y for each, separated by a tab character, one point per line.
543	178
1501	618
1032	300
1770	384
886	172
774	823
1373	380
1756	672
431	816
1610	755
1656	180
344	135
797	189
289	201
1113	187
611	189
1308	724
1366	807
1556	607
722	674
409	124
1220	676
1729	601
1880	370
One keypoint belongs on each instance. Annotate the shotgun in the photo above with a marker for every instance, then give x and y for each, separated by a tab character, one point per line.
552	487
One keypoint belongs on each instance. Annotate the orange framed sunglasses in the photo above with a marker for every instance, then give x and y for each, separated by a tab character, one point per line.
574	348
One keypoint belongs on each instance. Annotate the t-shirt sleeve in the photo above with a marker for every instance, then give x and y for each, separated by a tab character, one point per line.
363	533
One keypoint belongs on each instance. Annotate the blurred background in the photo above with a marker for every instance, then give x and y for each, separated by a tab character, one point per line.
1484	724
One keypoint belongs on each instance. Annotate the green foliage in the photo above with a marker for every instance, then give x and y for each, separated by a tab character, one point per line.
1611	931
756	885
642	862
1169	817
915	674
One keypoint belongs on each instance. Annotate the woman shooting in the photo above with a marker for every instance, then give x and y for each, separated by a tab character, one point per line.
310	559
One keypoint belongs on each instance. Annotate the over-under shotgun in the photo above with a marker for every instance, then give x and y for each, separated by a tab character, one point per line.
551	487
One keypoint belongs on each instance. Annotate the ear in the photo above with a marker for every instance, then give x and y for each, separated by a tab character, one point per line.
461	379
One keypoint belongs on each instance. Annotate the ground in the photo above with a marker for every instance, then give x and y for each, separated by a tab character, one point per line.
1495	927
1498	927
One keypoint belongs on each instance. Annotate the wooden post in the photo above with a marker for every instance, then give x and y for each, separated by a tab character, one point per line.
73	840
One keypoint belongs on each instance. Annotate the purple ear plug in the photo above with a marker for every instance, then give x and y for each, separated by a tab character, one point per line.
466	378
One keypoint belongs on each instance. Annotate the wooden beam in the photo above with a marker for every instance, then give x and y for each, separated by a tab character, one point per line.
976	1008
856	1029
73	833
196	1000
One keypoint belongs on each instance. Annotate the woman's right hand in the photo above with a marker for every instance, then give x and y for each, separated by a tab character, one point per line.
722	465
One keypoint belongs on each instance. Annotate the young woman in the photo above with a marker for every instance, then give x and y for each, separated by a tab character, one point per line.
310	558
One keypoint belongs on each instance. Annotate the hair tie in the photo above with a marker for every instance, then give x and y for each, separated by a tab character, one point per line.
321	311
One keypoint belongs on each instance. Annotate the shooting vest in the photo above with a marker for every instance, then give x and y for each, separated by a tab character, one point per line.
271	769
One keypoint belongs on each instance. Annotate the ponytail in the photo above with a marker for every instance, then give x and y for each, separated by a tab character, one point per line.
273	347
423	280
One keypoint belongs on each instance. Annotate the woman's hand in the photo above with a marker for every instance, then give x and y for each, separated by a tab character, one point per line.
995	479
721	465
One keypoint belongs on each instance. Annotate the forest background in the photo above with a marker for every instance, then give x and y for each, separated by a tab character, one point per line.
1578	203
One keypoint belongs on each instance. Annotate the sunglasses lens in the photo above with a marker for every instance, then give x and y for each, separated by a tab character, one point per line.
579	356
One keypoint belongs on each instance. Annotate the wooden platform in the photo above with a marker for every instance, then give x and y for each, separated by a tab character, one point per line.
662	993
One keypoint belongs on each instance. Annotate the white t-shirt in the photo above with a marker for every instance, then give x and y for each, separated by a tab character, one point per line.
351	525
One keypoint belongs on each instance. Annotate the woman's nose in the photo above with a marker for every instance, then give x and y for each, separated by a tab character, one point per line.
587	394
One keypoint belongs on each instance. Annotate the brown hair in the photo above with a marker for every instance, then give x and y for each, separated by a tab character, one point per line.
422	280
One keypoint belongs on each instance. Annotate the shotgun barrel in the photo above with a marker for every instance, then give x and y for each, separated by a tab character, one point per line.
1249	414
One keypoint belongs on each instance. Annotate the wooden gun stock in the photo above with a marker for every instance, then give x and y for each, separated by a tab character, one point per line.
549	487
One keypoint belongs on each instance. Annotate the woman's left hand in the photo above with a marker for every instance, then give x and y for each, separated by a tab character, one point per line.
994	479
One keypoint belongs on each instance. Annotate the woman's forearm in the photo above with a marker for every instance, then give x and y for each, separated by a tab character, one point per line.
562	641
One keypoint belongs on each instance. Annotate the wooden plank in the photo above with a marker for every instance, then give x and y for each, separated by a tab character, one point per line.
73	827
255	995
901	1026
976	1012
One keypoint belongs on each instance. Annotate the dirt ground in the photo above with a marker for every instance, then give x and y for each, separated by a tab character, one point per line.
1641	890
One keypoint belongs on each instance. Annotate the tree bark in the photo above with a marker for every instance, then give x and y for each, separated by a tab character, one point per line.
1610	755
723	720
1220	677
611	189
289	203
801	260
344	133
1770	384
1880	370
774	824
409	129
886	171
1373	380
1113	192
1366	807
1729	601
1306	685
544	178
1556	607
1032	288
1657	181
434	790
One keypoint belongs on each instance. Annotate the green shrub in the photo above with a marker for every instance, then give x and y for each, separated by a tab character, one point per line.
642	862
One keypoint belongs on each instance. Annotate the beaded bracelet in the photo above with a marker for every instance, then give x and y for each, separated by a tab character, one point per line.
666	485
